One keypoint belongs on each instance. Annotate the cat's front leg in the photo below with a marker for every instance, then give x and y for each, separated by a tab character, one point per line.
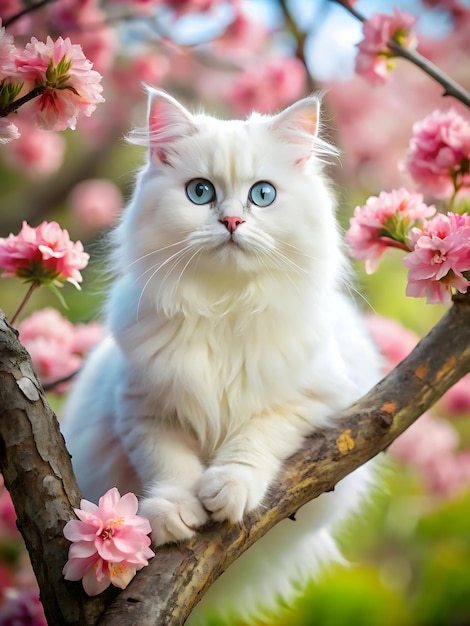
170	502
168	466
246	465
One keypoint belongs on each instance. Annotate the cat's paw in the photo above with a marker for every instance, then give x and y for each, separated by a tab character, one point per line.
174	514
230	491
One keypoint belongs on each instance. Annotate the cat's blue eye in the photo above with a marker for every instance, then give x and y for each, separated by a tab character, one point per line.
262	193
200	191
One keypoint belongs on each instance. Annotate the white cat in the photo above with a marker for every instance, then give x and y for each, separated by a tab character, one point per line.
230	340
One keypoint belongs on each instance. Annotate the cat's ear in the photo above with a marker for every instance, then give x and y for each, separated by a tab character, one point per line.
298	126
168	121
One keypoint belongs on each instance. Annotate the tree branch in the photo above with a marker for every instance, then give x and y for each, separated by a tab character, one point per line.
38	474
39	477
178	576
451	87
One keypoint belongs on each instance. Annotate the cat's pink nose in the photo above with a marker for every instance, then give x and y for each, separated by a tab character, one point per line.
232	222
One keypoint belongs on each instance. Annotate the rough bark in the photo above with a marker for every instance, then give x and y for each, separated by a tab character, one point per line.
38	474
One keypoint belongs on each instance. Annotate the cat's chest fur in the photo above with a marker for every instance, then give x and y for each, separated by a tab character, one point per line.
220	360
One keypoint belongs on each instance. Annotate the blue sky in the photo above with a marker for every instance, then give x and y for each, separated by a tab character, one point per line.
331	49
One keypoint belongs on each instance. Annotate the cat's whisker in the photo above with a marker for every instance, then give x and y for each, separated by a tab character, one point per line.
352	290
298	251
169	272
300	271
280	265
165	262
186	265
145	256
176	257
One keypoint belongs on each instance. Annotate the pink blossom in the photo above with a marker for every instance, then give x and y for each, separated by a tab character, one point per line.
395	341
38	152
110	542
57	347
456	401
265	87
90	27
85	337
441	253
10	8
72	87
449	476
429	438
243	36
96	202
439	153
22	606
44	255
431	446
384	222
7	54
8	131
373	60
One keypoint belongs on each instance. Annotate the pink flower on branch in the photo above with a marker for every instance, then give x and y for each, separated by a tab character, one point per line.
264	87
110	542
440	256
7	54
439	153
374	58
68	85
385	222
431	446
57	347
43	255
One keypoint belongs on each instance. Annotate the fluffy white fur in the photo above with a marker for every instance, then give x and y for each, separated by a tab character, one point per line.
225	349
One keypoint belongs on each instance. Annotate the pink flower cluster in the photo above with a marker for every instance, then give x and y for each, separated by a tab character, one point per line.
110	542
438	158
95	202
266	87
43	255
57	347
431	446
373	60
57	77
72	86
384	222
439	248
440	254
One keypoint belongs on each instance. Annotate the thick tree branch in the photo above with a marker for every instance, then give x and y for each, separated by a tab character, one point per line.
178	576
38	474
39	477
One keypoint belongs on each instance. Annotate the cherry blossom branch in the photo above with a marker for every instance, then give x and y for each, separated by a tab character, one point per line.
11	107
39	476
29	9
451	87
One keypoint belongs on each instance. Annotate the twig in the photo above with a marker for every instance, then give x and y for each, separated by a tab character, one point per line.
451	87
29	9
16	104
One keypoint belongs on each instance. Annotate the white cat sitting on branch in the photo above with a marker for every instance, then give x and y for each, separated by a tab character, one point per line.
231	339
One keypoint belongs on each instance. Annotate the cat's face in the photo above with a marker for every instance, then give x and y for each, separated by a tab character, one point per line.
230	197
